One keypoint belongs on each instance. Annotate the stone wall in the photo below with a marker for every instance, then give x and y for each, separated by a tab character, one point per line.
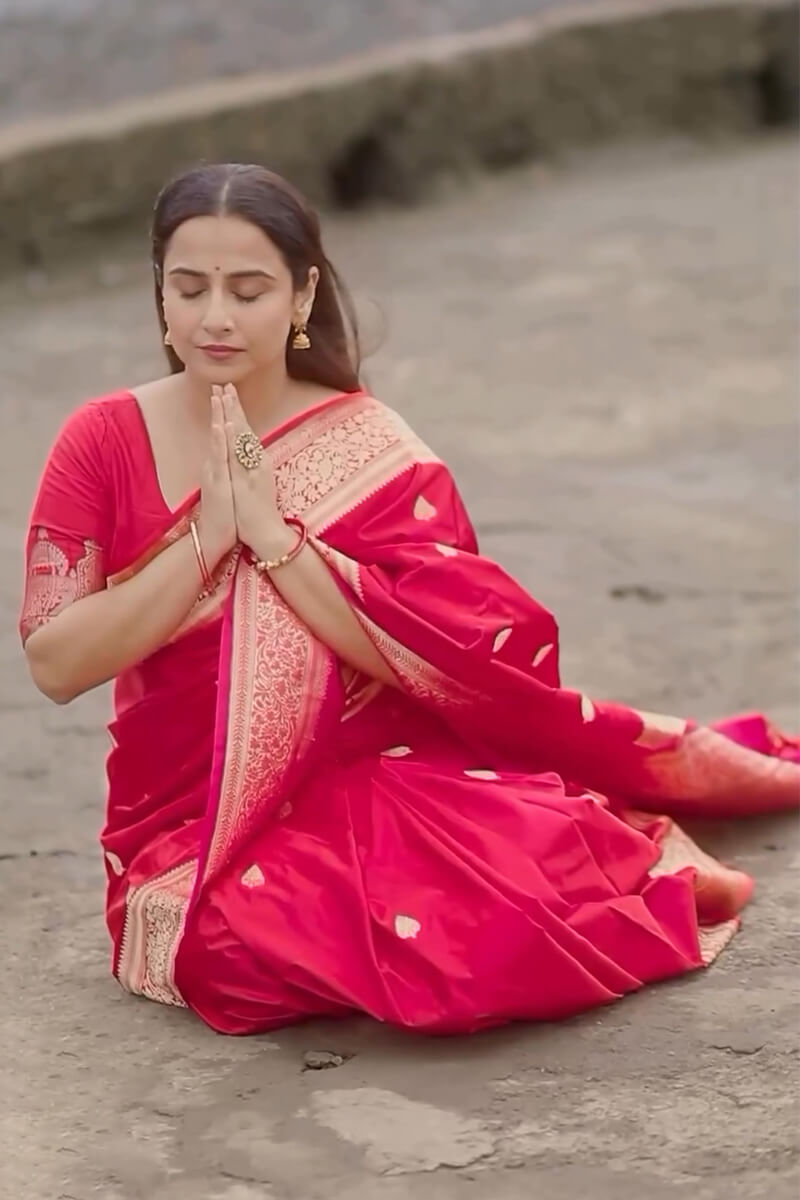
384	126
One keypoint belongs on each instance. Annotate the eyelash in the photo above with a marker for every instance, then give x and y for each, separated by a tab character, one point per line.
241	299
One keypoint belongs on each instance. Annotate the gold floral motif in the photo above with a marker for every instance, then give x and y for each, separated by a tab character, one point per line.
52	584
154	917
339	457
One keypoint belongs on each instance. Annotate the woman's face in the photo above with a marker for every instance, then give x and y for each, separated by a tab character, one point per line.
229	300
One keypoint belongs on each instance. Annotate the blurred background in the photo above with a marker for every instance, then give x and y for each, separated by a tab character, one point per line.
57	54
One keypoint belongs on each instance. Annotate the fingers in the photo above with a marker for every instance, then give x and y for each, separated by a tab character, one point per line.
232	408
219	440
228	427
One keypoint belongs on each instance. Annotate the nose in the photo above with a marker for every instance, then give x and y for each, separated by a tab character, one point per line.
217	318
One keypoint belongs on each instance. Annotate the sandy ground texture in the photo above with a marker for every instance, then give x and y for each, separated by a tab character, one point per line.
606	355
63	55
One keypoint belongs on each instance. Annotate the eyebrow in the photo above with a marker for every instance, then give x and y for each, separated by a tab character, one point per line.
252	273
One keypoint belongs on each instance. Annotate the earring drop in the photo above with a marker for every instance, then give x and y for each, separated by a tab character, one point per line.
168	338
301	340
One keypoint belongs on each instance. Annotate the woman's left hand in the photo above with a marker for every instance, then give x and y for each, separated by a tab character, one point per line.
258	521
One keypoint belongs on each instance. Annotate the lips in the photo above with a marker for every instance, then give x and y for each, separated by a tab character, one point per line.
220	351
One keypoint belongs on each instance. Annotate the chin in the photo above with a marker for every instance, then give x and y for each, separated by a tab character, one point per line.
232	370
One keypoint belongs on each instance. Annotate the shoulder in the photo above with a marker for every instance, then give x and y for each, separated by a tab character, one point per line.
91	419
87	436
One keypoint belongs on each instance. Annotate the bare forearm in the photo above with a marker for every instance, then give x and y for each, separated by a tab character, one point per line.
310	591
96	638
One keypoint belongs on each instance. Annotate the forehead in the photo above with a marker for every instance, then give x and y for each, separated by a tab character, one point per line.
226	243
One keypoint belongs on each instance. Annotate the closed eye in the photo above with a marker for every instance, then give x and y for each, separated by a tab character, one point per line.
192	295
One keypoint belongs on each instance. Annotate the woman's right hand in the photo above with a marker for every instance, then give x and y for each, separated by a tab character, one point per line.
216	523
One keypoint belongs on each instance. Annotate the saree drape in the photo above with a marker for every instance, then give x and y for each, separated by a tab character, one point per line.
286	838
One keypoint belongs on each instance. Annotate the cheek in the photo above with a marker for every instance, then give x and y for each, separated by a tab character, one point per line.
265	324
180	316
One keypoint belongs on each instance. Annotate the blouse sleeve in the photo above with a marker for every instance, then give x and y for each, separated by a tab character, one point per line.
70	524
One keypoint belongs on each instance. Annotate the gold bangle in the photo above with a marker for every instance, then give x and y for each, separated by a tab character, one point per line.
201	558
267	566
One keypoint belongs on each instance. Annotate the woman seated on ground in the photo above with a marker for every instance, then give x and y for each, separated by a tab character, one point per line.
344	774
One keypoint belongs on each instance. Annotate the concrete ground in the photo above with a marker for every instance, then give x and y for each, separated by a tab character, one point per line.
607	356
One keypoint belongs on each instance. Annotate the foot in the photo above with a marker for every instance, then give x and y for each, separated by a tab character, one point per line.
721	894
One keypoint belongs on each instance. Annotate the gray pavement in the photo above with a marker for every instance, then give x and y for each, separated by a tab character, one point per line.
607	356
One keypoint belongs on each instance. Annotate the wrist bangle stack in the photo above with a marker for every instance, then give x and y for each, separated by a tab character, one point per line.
267	566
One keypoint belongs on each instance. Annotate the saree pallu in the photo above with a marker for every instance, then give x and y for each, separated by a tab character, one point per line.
287	838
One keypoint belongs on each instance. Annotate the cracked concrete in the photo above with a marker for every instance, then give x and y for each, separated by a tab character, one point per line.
606	353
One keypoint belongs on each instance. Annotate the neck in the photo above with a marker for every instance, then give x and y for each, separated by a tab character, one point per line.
263	395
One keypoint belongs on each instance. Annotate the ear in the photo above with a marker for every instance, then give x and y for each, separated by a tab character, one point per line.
304	299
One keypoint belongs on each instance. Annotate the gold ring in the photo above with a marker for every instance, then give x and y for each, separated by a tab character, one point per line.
248	450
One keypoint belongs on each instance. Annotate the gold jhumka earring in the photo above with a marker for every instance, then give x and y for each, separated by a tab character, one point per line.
301	340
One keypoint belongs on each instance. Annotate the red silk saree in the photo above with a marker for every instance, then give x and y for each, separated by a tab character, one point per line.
286	838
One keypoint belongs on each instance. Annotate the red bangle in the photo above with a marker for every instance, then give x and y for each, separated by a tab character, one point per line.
267	566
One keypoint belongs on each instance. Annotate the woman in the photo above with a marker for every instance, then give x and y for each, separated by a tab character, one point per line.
344	775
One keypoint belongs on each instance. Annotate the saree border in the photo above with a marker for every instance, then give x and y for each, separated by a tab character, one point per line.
279	680
421	678
679	851
155	914
332	463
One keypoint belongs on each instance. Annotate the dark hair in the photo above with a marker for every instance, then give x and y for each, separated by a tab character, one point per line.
278	210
